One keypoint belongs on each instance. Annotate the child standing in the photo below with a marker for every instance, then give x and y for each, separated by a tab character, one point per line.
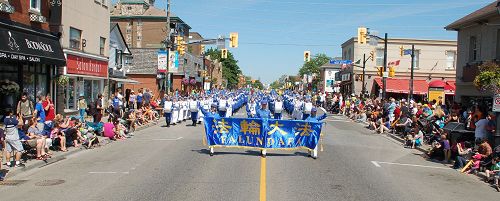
446	148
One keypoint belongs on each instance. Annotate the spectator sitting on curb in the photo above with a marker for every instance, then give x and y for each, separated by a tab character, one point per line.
37	140
464	154
494	171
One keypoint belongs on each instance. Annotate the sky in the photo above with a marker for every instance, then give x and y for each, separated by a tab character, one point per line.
273	34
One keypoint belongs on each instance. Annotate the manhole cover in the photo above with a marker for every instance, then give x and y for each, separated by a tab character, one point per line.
12	182
52	182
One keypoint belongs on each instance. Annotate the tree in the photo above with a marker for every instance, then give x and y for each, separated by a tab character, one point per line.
312	67
276	85
488	78
230	68
257	84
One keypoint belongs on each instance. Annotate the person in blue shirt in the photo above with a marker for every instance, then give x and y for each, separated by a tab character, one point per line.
40	112
263	112
315	119
213	113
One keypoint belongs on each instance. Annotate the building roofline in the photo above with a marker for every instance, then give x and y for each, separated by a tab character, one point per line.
477	16
173	19
407	40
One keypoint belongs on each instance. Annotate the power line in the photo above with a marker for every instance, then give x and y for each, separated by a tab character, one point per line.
362	4
289	44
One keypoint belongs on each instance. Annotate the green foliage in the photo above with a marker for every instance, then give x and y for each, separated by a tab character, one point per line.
257	84
276	85
230	68
313	66
488	78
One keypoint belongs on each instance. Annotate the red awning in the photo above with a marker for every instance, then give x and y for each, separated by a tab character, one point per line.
402	86
450	88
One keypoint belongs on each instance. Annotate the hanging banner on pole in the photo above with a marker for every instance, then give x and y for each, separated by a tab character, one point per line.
173	62
162	61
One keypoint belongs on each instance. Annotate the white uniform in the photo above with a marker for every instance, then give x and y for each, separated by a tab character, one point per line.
297	110
175	113
308	107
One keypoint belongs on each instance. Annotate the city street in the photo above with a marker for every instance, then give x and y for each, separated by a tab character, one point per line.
172	164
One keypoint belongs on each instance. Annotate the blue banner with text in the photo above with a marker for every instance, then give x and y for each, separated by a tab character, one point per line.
262	133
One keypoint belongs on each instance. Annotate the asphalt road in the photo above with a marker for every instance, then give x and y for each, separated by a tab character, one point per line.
172	164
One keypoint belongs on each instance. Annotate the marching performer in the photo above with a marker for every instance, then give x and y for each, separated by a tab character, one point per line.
297	109
278	108
167	110
263	113
252	108
213	113
193	107
316	119
307	107
175	112
222	106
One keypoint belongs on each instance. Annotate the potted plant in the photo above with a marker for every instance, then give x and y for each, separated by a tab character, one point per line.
8	89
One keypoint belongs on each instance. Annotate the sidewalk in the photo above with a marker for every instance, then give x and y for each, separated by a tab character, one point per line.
59	156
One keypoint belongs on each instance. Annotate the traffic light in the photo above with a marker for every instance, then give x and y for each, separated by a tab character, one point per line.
392	71
401	50
233	40
224	53
362	34
307	56
372	55
380	71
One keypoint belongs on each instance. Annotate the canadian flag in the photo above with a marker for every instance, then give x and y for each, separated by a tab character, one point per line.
394	63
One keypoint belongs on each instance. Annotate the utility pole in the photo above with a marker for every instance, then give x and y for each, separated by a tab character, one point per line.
411	71
167	46
384	77
363	89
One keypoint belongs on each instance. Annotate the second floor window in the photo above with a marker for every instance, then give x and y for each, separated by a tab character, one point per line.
102	44
416	61
75	38
379	56
35	5
473	49
450	60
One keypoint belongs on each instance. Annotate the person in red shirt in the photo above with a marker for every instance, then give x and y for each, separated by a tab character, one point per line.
48	106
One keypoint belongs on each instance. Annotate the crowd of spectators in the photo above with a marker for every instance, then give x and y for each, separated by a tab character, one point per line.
424	123
33	131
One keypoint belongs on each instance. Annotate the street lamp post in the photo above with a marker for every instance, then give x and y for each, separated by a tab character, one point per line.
411	71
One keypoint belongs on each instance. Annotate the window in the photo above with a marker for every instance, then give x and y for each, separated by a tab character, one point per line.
129	8
75	38
35	5
139	37
450	60
379	55
102	44
473	49
416	61
139	22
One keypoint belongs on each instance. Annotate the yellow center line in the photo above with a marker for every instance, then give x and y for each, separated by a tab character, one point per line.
262	179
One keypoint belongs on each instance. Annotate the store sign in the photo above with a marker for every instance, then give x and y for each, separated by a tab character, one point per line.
329	80
496	103
27	47
162	61
85	66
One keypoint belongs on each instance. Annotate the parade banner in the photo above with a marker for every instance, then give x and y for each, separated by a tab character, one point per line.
262	133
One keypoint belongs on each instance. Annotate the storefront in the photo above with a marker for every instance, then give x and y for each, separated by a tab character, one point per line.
87	77
28	63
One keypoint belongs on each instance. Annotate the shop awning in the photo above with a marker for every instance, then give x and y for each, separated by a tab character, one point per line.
402	86
27	45
129	81
450	88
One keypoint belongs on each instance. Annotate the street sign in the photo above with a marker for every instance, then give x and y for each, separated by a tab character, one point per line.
496	103
347	62
407	52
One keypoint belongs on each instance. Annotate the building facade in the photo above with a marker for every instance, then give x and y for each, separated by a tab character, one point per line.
119	55
145	33
330	83
30	53
84	32
434	60
478	42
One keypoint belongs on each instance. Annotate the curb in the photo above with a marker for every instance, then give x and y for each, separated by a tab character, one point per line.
12	172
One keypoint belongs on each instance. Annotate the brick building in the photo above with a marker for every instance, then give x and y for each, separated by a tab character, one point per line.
30	52
145	28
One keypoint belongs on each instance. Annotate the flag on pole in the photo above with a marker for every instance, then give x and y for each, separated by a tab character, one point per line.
394	63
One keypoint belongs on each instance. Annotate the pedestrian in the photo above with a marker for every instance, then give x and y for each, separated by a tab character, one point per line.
147	97
48	106
25	108
82	106
446	148
139	99
40	112
12	142
132	100
98	109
